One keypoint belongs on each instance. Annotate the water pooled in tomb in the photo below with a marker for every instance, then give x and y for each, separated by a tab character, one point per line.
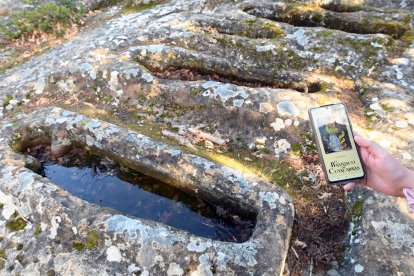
102	181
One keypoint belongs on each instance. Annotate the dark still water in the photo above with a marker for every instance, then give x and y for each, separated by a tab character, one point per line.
101	181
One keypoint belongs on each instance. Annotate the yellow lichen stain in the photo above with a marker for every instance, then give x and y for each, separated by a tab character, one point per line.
154	90
171	56
99	53
125	58
92	111
4	12
311	8
232	163
280	220
323	99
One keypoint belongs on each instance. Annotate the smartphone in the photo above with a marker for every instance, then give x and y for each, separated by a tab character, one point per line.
332	130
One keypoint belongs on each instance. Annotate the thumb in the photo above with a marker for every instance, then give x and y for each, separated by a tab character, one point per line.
361	141
372	148
369	145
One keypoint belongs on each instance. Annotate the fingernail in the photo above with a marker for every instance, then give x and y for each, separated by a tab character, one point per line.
349	186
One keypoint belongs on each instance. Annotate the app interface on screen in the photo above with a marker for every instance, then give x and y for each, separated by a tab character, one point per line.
338	148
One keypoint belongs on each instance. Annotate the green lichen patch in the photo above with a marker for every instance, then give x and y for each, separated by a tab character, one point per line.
107	3
7	101
131	7
408	37
371	118
274	29
364	49
323	87
57	240
15	223
356	213
19	247
78	246
394	28
314	16
306	147
2	263
296	149
357	209
21	259
3	255
51	272
1	205
92	239
38	230
250	28
196	91
326	33
387	108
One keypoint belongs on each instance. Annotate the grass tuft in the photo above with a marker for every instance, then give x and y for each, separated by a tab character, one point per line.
51	18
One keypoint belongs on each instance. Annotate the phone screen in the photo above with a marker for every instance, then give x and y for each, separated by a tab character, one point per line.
336	143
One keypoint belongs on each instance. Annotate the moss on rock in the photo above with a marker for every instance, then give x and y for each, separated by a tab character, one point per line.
3	255
21	258
7	101
38	230
15	223
92	239
133	7
274	29
356	213
78	246
2	263
408	37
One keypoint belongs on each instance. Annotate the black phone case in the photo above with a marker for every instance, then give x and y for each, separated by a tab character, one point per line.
315	137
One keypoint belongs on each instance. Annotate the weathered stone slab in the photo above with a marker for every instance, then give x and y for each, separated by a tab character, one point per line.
53	219
382	236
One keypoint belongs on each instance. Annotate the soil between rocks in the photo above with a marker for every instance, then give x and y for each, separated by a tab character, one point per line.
194	75
321	224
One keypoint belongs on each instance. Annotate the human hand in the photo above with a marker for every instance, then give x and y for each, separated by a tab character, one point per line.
383	172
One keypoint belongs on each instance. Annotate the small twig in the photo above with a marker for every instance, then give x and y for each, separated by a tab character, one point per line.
207	136
311	268
180	139
100	254
294	252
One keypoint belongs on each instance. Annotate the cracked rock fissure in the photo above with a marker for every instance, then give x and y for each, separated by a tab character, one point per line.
168	62
187	74
360	22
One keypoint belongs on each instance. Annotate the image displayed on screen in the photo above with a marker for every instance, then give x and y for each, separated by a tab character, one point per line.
335	137
332	124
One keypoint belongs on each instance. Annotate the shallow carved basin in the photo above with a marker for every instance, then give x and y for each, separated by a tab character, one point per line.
151	246
100	180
